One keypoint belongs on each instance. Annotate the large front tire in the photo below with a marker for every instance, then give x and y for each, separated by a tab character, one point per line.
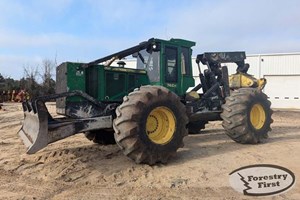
247	116
150	124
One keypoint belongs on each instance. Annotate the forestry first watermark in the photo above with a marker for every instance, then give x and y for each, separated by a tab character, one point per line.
261	180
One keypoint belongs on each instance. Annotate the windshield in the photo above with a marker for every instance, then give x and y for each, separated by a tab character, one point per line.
149	62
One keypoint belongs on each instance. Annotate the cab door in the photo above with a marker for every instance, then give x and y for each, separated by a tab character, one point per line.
177	69
170	68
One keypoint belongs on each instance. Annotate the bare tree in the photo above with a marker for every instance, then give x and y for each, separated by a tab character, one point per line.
48	83
38	81
29	82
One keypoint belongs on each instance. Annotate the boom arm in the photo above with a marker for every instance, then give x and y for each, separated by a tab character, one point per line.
121	54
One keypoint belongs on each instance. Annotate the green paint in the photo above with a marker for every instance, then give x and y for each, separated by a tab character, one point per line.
113	83
75	79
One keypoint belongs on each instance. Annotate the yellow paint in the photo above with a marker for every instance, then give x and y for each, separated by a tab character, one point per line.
261	83
247	81
194	94
257	116
241	80
161	125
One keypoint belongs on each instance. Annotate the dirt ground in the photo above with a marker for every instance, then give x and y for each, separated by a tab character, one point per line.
75	168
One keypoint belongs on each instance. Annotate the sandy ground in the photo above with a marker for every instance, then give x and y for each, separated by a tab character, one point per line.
75	168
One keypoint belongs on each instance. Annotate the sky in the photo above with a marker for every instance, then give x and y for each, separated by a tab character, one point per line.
85	30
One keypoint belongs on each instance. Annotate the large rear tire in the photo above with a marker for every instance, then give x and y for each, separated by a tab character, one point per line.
247	116
150	124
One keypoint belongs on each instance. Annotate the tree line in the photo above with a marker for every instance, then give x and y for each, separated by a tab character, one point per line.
36	81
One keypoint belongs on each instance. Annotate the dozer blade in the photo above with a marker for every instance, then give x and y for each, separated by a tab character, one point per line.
40	129
35	126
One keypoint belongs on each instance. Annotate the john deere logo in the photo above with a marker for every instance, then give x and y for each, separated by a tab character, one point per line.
261	180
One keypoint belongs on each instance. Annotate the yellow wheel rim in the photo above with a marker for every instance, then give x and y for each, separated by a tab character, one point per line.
161	125
257	116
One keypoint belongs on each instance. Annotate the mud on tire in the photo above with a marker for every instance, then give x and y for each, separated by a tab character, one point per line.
247	116
150	124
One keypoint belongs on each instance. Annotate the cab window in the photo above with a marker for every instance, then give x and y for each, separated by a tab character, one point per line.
185	61
150	62
171	64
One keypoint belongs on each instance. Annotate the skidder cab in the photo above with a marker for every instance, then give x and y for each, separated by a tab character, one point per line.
147	110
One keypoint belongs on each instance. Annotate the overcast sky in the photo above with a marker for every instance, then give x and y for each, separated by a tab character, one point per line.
84	30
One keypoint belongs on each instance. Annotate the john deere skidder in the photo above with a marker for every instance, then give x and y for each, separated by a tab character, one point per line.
147	111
